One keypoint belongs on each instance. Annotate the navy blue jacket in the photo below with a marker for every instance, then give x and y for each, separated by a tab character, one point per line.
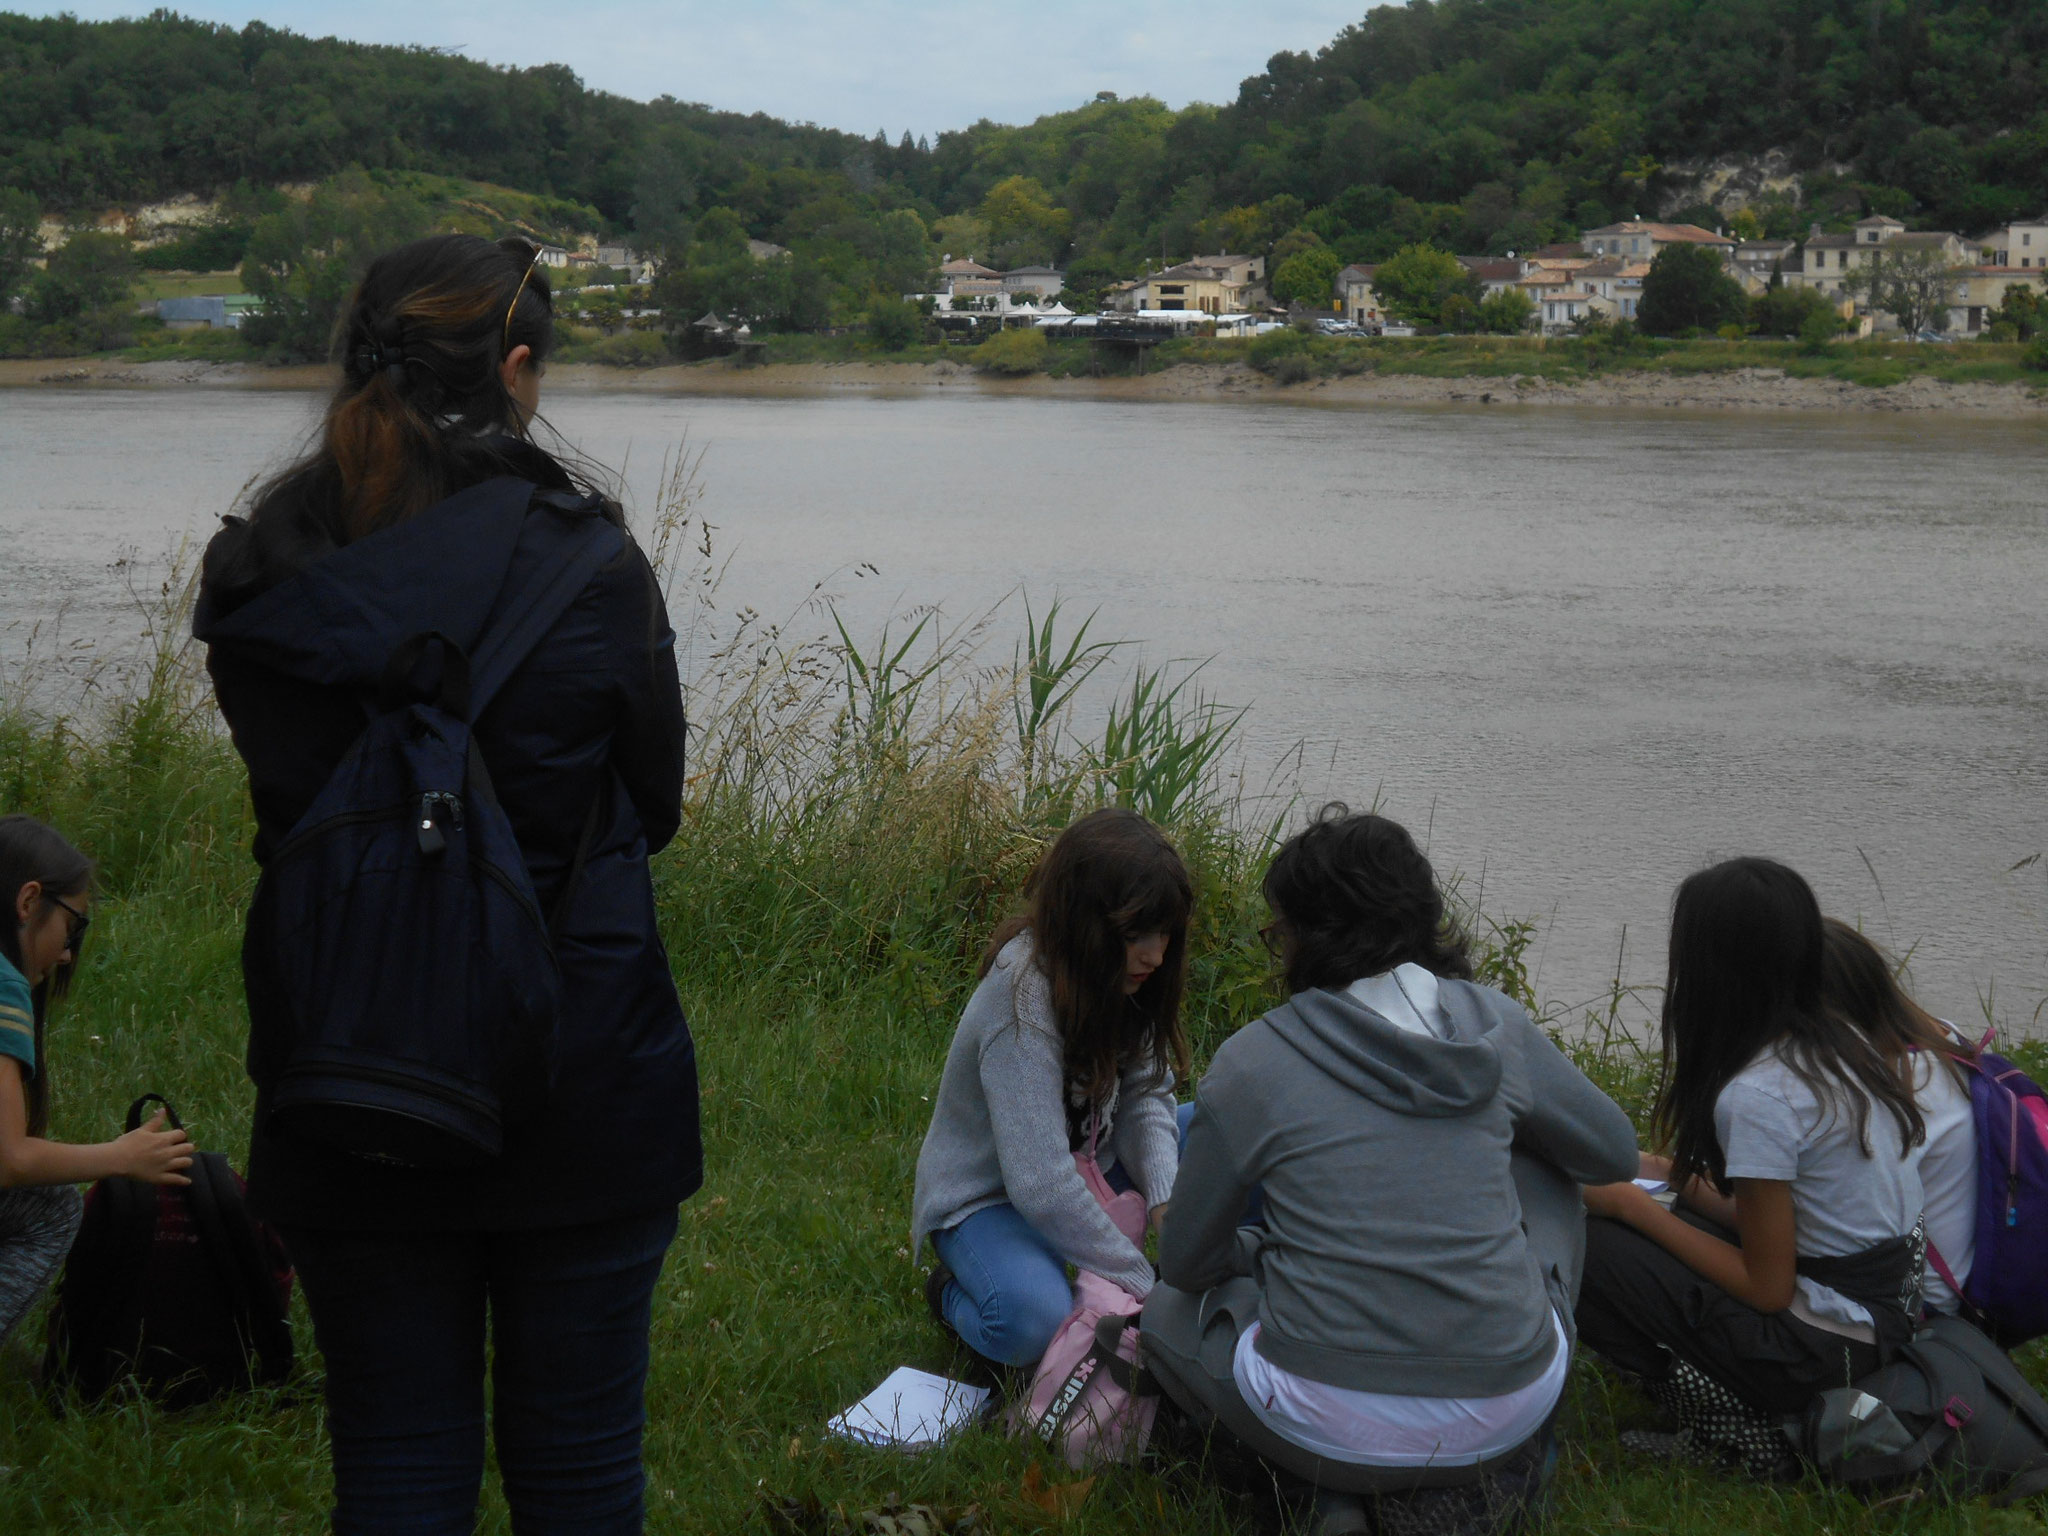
595	711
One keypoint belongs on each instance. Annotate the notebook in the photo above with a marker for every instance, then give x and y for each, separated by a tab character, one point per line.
912	1409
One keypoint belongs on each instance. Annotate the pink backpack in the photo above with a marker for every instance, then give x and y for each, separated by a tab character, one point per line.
1090	1397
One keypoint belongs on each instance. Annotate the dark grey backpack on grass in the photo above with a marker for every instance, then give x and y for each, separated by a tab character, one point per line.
1951	1409
177	1291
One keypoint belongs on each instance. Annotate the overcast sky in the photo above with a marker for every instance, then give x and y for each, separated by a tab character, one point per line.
854	64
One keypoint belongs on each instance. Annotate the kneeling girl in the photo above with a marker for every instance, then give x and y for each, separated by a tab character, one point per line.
1397	1321
47	886
1071	1042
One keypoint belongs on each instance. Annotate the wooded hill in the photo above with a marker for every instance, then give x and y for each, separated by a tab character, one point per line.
1476	124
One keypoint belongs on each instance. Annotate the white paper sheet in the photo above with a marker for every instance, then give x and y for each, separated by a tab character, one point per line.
912	1409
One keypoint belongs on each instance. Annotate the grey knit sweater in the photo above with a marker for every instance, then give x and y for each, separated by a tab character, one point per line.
999	1129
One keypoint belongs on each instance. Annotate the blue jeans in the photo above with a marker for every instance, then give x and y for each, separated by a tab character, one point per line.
1009	1292
400	1319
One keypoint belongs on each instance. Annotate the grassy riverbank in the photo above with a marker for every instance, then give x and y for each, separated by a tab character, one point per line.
858	817
1291	357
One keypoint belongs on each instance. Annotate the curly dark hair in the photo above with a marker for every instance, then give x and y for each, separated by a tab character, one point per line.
1353	896
1109	877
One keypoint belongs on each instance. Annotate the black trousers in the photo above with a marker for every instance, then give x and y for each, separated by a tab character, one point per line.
1638	1300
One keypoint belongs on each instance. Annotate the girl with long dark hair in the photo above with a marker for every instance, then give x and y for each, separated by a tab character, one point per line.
554	1247
1794	1143
1071	1041
1396	1320
47	887
1860	982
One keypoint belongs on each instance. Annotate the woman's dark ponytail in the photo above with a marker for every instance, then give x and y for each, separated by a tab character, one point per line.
422	345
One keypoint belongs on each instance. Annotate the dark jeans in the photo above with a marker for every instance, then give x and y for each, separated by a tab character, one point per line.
1639	1302
400	1320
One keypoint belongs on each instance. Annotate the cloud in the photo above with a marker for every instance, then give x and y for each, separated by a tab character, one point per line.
890	64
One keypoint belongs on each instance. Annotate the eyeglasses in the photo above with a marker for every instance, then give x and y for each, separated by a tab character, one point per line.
1270	937
80	921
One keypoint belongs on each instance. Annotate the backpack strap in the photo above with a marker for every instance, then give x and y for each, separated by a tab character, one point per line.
1131	1374
134	1118
523	622
226	1229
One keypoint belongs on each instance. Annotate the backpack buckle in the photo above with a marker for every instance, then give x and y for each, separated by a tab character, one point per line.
437	808
1956	1413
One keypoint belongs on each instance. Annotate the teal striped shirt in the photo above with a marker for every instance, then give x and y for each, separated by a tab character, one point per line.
17	1017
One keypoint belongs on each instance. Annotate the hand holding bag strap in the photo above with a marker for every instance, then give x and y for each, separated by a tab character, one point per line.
134	1118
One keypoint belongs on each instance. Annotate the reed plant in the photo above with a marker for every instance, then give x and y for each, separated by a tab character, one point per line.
861	810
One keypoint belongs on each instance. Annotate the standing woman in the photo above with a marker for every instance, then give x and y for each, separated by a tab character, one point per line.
1070	1042
1795	1148
46	885
559	1241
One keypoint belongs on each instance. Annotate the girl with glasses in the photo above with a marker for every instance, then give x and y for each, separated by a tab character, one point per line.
47	886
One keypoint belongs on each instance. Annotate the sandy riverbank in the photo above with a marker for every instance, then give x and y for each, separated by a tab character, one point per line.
1764	389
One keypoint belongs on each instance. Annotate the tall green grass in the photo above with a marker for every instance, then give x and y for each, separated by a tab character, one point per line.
862	808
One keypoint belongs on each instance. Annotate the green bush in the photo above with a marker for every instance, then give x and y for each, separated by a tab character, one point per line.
2035	358
1013	353
630	349
1819	329
1284	355
894	324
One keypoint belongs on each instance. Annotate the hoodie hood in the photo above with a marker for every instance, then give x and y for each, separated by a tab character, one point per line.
1402	1071
338	620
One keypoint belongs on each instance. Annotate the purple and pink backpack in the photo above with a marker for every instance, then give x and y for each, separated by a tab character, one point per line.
2008	1285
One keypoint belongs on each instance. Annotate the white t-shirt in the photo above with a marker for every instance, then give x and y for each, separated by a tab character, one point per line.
1948	1175
1387	1429
1771	1126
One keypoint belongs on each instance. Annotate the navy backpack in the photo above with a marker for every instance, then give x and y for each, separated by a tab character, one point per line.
2007	1293
175	1289
401	926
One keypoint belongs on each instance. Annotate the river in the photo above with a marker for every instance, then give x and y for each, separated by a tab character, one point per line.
1583	651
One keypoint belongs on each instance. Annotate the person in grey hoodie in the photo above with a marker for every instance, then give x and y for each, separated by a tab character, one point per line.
1399	1320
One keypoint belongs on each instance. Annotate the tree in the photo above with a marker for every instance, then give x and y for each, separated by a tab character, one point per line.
304	260
894	323
1689	289
1782	311
91	272
21	241
2023	310
1820	327
1915	287
1507	312
1024	228
1307	277
1416	280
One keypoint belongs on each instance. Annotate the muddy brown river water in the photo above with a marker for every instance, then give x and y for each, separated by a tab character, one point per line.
1585	651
